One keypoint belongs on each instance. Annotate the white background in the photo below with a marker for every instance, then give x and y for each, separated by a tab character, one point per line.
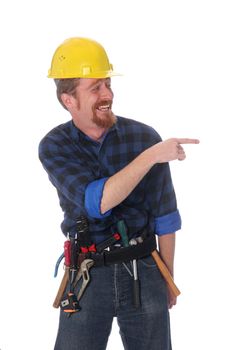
176	57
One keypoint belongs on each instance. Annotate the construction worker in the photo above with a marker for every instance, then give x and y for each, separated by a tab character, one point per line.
111	169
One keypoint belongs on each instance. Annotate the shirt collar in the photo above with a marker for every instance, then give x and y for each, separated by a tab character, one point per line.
76	133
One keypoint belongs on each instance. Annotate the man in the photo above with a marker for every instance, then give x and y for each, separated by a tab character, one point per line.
111	170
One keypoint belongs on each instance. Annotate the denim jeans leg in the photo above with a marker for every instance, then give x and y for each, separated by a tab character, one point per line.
110	294
148	327
89	328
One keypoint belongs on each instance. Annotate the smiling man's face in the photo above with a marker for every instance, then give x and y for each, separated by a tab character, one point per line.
94	102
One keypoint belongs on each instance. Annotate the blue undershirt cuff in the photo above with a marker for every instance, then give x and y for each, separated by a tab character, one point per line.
93	197
168	223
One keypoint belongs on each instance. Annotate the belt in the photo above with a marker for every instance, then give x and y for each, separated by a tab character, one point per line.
124	254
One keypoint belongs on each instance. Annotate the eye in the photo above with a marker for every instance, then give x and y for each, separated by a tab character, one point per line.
108	83
96	87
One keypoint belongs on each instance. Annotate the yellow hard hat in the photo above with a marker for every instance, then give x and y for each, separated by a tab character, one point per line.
80	58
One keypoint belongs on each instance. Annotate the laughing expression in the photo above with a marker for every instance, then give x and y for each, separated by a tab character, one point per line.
94	102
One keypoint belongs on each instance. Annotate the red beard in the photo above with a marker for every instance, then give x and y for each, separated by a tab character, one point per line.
107	118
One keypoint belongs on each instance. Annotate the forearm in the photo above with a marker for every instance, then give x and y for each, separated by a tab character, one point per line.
121	184
167	250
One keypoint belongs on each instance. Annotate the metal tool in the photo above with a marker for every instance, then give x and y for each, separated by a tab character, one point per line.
73	261
108	242
84	273
69	304
136	286
85	240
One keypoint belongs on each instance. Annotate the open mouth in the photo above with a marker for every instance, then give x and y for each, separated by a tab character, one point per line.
104	107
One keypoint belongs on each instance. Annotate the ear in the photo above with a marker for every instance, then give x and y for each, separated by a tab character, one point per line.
67	100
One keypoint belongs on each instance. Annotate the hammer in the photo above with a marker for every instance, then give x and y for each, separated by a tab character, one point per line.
165	272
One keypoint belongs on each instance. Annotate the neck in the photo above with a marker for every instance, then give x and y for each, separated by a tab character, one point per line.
95	133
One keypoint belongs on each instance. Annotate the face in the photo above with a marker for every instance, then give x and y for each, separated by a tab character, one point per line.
94	99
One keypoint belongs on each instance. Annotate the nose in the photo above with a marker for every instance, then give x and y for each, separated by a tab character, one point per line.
106	92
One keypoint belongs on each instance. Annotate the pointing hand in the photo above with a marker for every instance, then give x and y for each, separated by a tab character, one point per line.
171	149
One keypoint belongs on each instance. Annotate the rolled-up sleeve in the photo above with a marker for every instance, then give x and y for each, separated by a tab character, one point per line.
93	197
168	223
161	200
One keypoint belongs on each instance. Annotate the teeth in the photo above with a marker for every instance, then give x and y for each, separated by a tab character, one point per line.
104	108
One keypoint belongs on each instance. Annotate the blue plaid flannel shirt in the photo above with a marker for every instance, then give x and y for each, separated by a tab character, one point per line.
79	167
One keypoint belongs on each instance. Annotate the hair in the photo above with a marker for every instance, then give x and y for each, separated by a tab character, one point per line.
66	86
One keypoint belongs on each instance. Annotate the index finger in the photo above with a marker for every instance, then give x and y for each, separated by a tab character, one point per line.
186	141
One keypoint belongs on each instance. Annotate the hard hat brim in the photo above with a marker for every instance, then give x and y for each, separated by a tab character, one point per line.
96	75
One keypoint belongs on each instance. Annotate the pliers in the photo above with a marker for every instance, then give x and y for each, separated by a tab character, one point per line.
84	273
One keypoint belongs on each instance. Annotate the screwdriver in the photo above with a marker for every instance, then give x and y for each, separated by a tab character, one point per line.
136	287
124	237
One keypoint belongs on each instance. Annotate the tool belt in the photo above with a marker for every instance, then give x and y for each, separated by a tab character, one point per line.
123	254
81	253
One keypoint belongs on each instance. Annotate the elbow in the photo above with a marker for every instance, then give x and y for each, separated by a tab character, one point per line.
94	203
104	208
168	224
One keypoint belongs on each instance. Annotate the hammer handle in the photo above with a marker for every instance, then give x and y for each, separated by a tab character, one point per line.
61	289
165	272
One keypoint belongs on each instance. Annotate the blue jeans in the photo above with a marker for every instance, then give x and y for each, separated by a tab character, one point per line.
109	295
